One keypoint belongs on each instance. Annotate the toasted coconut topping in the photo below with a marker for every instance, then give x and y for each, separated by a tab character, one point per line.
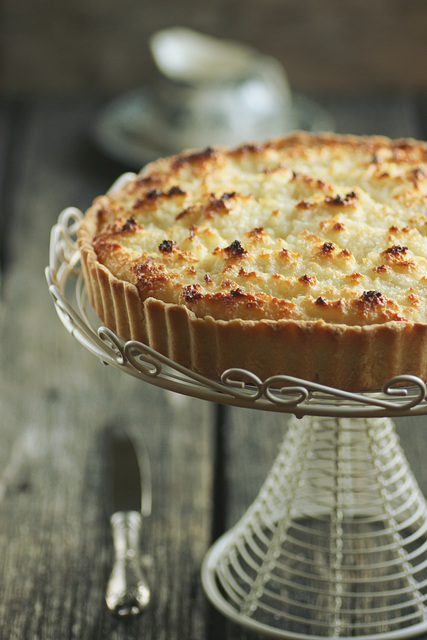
309	227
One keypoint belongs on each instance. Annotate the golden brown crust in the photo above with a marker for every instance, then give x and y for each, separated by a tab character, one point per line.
189	258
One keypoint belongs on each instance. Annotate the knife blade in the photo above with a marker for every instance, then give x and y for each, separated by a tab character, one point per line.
128	501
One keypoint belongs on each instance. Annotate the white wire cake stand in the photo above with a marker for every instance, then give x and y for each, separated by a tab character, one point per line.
335	544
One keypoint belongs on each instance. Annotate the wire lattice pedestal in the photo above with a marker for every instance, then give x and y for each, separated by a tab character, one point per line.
340	490
335	544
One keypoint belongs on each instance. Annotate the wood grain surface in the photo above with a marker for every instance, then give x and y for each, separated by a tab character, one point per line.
337	46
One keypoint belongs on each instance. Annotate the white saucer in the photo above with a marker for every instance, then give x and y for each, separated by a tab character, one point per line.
124	128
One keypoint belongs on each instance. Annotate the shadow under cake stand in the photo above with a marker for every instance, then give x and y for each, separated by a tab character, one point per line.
335	544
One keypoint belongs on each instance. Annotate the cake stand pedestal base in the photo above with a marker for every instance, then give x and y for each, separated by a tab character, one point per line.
335	544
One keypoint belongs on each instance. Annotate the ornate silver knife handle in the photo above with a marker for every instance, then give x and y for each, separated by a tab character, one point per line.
128	592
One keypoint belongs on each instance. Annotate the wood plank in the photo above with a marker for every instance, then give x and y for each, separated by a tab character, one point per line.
55	399
11	115
395	116
334	45
421	105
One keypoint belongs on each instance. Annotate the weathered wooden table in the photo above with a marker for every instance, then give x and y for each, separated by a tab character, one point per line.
208	461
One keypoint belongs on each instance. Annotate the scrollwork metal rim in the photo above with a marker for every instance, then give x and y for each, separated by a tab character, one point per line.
402	395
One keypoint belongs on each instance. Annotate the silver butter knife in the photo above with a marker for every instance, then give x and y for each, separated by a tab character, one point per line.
128	501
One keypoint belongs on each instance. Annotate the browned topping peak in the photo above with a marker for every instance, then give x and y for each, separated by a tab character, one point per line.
237	293
192	230
322	302
248	149
382	268
338	200
192	271
355	276
414	298
417	173
244	273
397	255
150	274
279	167
256	234
331	225
176	191
285	254
167	246
149	181
328	247
395	229
228	284
307	179
235	249
304	204
192	292
186	212
331	304
373	297
305	279
194	158
219	204
396	250
130	224
103	214
154	194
